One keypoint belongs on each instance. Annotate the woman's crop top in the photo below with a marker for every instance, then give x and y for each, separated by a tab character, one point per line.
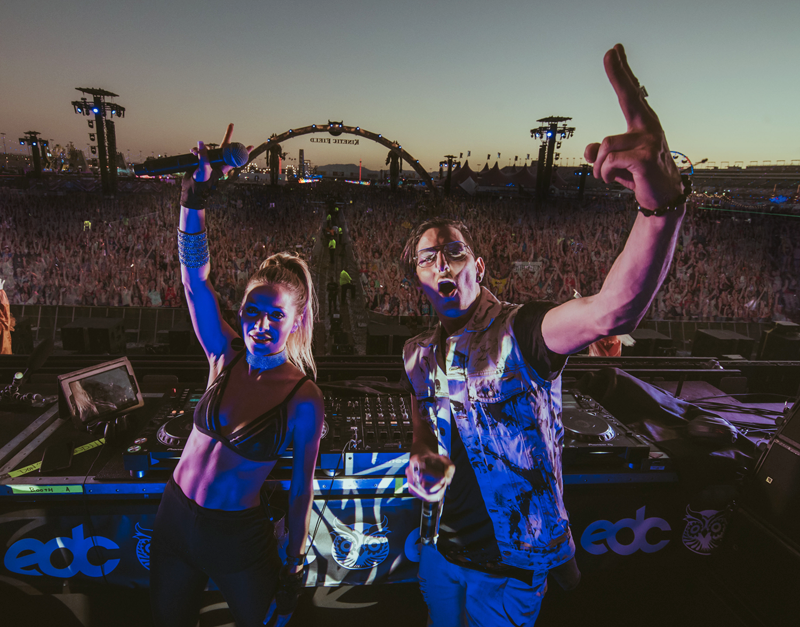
260	440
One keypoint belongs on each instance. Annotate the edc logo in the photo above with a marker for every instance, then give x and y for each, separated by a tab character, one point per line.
24	556
602	535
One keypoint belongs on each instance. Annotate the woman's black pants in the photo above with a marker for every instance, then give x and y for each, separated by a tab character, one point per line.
235	549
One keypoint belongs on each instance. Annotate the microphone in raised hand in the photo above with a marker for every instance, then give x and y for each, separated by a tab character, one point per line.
234	155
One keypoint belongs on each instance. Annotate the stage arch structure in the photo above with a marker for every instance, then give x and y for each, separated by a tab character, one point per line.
272	145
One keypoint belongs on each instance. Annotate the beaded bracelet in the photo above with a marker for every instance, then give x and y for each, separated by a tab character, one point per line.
193	249
671	206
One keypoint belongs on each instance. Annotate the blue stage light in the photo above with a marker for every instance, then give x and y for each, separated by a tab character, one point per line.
95	110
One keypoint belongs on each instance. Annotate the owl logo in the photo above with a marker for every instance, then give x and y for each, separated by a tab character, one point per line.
143	546
704	530
359	546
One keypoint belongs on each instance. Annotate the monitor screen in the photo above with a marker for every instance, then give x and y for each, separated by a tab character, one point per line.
101	391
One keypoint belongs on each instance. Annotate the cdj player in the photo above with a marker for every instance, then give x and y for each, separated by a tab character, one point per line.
593	438
371	434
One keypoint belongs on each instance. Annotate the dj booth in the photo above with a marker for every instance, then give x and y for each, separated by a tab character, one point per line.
91	520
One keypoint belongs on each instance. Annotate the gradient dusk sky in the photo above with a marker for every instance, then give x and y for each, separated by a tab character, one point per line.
439	77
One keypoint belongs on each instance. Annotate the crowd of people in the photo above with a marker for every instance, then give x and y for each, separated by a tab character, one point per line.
79	249
726	268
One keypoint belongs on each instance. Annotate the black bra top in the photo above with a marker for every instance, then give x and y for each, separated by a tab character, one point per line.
260	440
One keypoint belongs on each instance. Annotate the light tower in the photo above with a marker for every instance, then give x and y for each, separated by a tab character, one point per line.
448	179
551	136
37	149
103	123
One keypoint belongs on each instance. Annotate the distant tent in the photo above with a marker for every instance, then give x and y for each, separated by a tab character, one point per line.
485	168
524	178
494	178
462	174
468	186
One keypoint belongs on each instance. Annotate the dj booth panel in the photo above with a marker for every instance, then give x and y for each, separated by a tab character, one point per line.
630	514
368	533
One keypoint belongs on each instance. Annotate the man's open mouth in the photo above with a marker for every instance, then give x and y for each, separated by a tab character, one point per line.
447	287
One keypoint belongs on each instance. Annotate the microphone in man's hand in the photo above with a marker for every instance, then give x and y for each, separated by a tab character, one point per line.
234	155
429	522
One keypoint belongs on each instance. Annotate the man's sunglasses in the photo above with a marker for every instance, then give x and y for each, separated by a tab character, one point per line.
453	251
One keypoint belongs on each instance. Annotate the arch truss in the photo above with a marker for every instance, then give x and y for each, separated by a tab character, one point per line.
338	128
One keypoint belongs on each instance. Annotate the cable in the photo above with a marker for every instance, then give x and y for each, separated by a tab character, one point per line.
330	488
86	508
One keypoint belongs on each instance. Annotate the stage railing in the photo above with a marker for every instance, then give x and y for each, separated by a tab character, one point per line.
151	325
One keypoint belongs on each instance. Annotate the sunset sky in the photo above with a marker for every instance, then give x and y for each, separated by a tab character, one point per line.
439	77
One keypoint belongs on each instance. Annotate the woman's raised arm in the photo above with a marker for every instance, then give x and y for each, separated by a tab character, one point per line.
211	329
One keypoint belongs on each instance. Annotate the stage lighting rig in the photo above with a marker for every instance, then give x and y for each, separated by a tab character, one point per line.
449	164
103	113
38	152
552	130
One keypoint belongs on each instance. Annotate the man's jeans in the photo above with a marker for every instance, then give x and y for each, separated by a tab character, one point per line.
462	597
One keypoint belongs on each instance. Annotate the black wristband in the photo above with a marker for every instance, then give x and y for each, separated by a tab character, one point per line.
196	194
678	202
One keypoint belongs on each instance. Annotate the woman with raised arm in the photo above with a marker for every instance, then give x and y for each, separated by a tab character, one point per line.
259	399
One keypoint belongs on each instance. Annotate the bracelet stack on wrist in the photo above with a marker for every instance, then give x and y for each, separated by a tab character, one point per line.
193	249
675	204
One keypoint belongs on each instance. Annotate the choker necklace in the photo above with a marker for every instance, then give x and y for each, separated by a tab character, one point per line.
266	362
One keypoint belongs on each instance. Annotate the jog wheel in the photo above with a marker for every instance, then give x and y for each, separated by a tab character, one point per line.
587	427
175	432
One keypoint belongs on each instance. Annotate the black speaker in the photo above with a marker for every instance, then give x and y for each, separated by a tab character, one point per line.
95	336
386	339
716	343
340	337
773	494
649	343
781	342
107	336
22	337
75	336
183	341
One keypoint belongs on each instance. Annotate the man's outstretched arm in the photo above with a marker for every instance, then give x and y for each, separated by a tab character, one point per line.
640	160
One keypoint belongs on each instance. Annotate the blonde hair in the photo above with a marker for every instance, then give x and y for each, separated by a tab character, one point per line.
291	271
